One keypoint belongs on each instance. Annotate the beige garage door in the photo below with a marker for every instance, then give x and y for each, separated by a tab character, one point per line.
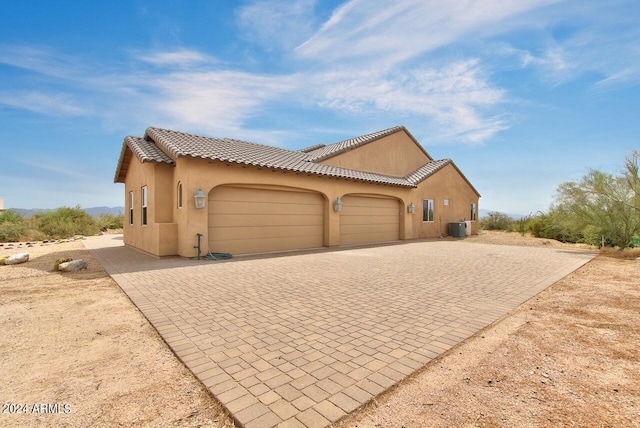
369	219
253	220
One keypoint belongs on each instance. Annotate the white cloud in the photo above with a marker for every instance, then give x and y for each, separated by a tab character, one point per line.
181	58
211	101
52	104
279	23
405	29
451	98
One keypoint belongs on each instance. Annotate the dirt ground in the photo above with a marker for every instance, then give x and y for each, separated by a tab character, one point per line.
567	357
75	339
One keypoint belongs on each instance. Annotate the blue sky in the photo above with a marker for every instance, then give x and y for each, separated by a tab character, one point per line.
522	94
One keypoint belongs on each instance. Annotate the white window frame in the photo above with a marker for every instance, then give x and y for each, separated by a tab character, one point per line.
130	208
428	206
145	206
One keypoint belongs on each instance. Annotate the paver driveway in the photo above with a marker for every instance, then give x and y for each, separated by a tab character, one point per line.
303	340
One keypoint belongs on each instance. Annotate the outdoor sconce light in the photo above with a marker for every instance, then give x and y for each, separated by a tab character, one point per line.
411	208
200	199
337	205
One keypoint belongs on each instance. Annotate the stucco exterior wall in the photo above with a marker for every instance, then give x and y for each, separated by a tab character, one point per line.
395	154
173	231
444	184
159	236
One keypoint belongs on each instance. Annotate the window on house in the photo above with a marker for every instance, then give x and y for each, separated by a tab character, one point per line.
474	212
428	210
179	195
446	202
144	205
131	208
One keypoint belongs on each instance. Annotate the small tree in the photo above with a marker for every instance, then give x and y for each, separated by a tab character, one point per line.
496	221
608	204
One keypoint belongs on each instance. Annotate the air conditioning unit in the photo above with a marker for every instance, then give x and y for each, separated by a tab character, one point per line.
458	229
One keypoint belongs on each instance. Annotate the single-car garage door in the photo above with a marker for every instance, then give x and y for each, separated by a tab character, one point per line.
255	220
367	219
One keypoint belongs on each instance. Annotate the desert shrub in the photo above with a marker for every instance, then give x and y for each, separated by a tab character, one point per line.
625	253
558	224
56	265
12	226
497	221
592	235
65	222
110	221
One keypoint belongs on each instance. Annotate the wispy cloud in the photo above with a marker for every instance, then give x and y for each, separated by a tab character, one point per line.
180	58
52	104
451	98
211	101
406	28
277	23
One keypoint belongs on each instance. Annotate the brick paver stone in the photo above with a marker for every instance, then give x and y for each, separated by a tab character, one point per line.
304	339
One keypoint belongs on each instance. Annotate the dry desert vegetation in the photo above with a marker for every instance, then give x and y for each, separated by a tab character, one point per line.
568	357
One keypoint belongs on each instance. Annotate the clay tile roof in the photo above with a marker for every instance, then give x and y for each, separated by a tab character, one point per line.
312	148
331	150
147	151
164	146
144	150
426	170
179	144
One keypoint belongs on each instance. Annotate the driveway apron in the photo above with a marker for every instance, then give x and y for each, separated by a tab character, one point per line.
302	340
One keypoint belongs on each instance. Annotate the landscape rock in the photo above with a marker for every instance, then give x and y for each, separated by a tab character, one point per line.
17	258
73	266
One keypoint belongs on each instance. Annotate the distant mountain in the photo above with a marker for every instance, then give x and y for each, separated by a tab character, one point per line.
485	213
93	211
96	211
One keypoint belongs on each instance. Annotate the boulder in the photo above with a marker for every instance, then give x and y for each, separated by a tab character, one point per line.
17	258
73	266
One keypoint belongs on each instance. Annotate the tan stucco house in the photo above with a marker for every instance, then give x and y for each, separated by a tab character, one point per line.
377	187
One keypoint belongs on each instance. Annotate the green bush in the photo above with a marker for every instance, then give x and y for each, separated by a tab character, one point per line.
110	221
497	221
12	226
65	222
558	224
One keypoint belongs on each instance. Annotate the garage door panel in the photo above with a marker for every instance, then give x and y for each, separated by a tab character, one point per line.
254	220
391	229
230	233
245	246
360	201
368	220
240	194
264	208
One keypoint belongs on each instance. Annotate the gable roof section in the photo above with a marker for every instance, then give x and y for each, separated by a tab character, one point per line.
144	150
326	152
428	169
163	146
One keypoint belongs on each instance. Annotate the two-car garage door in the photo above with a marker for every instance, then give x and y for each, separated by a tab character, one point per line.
258	219
255	220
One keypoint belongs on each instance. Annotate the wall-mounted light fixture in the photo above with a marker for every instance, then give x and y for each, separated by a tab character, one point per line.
411	208
337	205
200	198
